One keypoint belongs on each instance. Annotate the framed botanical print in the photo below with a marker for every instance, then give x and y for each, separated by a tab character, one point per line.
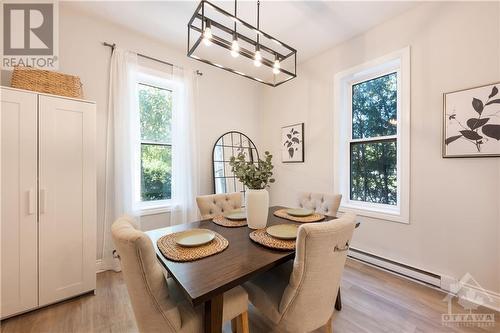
292	143
472	122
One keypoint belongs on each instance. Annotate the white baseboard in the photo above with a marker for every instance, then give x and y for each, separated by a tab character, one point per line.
102	266
467	286
395	267
99	266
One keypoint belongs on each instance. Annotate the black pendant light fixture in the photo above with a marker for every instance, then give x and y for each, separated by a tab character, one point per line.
221	39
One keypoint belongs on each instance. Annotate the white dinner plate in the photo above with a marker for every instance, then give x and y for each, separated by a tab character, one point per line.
283	231
236	215
300	212
194	237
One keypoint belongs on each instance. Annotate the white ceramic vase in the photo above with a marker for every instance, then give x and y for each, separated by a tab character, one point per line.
257	208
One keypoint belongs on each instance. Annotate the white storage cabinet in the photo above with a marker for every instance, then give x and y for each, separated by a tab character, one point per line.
48	199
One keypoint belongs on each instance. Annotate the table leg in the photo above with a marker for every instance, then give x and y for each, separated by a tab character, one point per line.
338	302
213	314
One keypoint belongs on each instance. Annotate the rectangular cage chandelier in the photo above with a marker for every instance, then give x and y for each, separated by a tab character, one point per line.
221	39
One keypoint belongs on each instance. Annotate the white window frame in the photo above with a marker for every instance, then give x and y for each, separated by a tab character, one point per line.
161	80
398	62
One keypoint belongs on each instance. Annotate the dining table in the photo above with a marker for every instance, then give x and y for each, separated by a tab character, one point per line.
204	281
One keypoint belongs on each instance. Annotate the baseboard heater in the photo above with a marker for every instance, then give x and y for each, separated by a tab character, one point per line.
396	267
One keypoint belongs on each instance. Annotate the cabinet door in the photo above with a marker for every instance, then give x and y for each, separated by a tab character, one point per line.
67	198
19	241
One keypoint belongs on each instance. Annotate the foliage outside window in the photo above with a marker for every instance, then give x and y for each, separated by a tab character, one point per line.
372	137
373	144
155	105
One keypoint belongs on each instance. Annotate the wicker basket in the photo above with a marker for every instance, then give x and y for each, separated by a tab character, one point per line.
49	82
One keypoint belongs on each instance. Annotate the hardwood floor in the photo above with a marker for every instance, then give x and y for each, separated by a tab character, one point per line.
373	301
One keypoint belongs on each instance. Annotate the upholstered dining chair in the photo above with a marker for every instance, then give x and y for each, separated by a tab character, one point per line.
326	204
216	204
158	303
299	296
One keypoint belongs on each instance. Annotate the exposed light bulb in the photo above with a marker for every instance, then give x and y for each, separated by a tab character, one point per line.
258	57
207	35
235	47
276	66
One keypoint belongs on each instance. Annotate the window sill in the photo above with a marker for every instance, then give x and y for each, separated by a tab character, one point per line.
154	208
393	215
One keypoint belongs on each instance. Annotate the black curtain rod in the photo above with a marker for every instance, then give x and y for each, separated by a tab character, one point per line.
112	46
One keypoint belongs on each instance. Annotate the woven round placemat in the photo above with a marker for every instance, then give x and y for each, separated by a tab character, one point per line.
222	221
174	252
263	238
311	218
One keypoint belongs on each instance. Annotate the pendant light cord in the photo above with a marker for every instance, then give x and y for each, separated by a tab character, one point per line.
258	20
235	14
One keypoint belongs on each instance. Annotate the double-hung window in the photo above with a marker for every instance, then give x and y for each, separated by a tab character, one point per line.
372	141
155	97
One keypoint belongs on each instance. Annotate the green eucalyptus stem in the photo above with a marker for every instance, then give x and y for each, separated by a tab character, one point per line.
255	176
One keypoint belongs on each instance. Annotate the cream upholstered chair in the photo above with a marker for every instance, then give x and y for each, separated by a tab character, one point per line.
299	295
158	304
326	204
216	204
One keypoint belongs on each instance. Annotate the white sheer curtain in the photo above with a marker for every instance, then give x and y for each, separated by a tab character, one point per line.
185	181
122	147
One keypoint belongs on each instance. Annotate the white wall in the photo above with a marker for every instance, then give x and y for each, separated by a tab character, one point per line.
454	213
227	102
455	203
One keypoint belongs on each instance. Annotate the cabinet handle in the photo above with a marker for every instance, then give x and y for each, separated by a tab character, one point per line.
31	202
43	201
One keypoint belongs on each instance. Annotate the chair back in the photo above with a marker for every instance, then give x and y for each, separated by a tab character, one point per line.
153	309
217	204
322	203
308	300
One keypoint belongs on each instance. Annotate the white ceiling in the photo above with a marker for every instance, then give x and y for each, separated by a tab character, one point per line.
309	26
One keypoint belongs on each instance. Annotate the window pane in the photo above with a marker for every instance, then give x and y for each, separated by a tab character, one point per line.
373	172
374	107
220	185
236	139
219	169
231	184
156	172
155	106
218	155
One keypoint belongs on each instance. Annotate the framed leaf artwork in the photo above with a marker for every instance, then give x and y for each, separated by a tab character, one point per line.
472	122
292	143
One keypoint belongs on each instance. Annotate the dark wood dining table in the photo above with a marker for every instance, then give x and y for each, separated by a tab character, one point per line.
204	281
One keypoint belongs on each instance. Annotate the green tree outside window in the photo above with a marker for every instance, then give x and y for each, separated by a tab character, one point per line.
373	163
155	106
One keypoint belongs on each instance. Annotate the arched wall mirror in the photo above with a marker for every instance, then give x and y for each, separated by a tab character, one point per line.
228	145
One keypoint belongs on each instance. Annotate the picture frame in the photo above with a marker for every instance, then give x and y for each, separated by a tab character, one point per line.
292	143
471	122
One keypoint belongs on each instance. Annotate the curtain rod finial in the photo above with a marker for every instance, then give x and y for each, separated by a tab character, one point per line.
112	46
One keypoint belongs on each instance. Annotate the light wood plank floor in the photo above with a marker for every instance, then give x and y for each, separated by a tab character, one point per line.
373	301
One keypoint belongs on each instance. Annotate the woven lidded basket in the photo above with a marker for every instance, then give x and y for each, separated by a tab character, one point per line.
49	82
